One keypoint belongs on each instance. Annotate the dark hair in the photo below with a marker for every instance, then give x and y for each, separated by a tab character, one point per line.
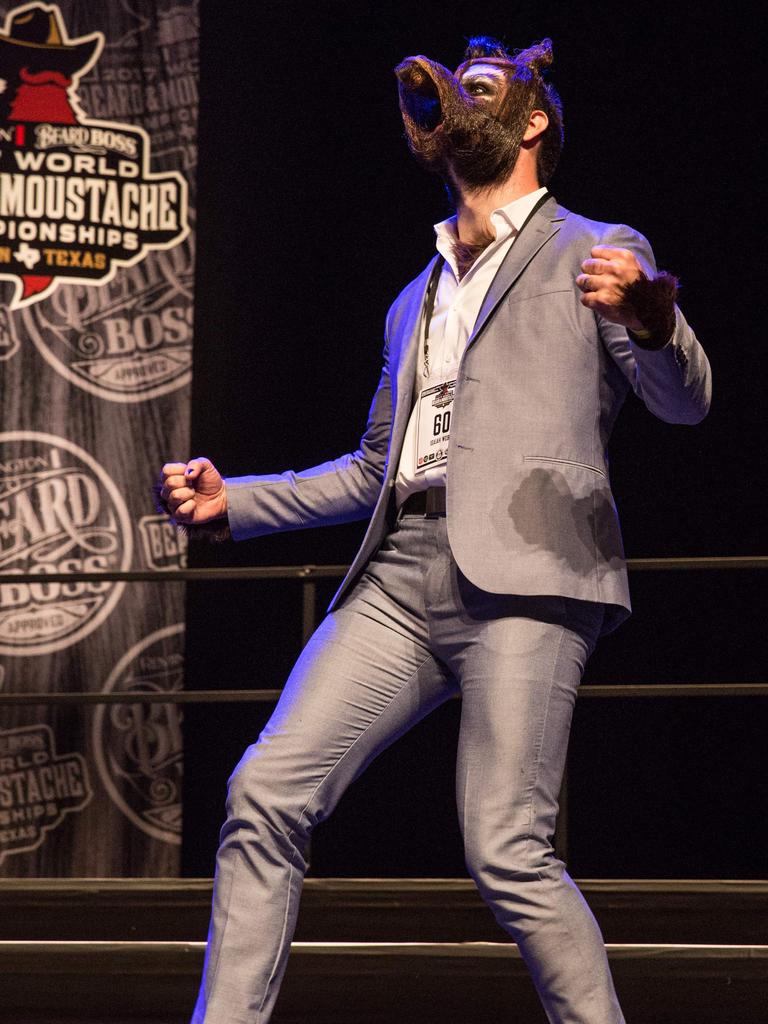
533	61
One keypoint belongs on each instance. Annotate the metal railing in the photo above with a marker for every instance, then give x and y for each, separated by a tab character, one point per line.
308	575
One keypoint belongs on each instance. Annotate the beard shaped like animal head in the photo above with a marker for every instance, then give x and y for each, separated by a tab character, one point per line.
468	126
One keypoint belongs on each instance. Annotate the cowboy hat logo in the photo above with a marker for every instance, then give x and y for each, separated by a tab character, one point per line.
77	198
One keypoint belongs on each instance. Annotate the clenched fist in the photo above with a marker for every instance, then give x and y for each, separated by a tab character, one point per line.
606	276
193	492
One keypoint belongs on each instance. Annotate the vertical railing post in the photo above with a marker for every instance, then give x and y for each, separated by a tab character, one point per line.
308	609
561	828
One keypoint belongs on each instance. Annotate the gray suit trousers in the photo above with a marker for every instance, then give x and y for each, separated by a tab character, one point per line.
412	633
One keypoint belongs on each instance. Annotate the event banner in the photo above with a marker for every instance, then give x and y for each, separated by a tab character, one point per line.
98	128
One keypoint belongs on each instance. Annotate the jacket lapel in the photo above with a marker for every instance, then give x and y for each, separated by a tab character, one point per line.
544	223
404	350
404	346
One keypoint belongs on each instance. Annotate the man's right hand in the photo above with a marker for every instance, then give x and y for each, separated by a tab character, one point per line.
193	491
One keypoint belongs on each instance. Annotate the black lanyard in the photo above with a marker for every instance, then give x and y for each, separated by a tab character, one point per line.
434	280
429	306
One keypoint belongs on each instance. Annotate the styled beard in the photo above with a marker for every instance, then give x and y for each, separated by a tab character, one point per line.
471	145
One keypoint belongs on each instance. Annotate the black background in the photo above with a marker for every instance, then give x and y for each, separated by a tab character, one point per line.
312	217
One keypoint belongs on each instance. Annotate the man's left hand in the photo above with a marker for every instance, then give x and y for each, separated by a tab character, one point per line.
605	276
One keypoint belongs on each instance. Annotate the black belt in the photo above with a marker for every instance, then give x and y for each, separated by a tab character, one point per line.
429	503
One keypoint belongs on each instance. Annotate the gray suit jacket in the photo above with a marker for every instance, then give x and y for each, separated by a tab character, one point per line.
529	503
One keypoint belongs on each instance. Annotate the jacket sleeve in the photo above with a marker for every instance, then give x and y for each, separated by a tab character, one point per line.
338	491
675	382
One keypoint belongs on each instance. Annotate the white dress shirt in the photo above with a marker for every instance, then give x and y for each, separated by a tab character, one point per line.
457	305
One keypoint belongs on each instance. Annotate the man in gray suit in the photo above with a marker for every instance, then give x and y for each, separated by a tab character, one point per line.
493	559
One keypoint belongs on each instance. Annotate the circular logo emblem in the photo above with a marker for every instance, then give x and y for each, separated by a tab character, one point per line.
128	340
60	512
138	747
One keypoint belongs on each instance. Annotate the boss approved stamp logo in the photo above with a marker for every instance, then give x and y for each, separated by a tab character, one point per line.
138	746
38	787
60	512
127	341
77	198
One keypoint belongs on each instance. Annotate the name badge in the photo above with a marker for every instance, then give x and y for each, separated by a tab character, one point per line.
433	425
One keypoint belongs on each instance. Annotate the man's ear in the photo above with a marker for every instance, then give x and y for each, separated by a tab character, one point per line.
537	125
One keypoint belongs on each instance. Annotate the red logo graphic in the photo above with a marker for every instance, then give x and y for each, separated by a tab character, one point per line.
77	198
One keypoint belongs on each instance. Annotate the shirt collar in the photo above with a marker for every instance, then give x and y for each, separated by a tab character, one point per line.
506	220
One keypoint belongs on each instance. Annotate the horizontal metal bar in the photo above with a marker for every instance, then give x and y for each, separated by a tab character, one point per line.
251	572
304	572
138	697
679	564
172	888
674	690
623	691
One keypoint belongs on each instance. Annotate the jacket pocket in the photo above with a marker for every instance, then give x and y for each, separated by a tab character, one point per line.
568	289
564	462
